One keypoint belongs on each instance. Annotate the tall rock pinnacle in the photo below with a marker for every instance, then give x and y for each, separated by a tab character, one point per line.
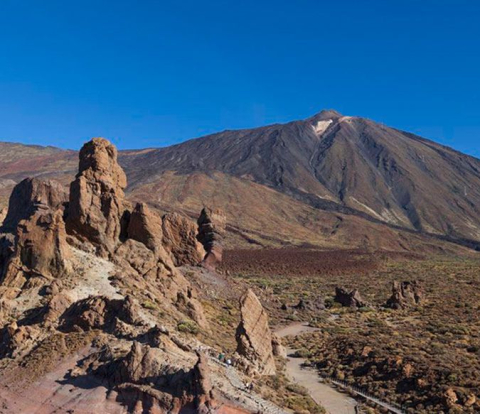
96	196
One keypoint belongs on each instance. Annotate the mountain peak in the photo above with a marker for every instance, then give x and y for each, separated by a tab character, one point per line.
325	115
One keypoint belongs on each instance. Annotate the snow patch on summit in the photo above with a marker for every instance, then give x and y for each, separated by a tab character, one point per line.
321	127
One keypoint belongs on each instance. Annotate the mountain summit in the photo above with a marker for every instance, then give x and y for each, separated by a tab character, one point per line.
304	181
342	163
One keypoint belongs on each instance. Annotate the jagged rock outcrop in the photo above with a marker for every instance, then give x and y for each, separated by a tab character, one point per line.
146	227
202	384
38	246
349	299
179	237
99	312
72	289
96	204
172	233
254	338
16	339
405	294
28	196
147	381
211	228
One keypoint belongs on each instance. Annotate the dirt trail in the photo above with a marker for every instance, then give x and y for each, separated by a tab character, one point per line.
332	400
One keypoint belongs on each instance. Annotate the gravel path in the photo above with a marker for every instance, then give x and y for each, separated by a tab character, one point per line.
331	399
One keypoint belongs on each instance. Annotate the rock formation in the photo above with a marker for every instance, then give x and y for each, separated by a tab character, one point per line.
145	227
405	294
179	237
96	203
211	228
38	246
30	195
102	294
254	338
202	384
349	299
277	347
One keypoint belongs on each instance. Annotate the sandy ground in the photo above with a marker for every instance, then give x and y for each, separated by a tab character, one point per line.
331	399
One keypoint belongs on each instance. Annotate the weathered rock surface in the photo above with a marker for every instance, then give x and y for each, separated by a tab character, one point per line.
405	294
146	227
99	312
277	347
179	237
211	228
28	196
96	203
254	338
202	384
41	249
349	299
70	295
39	246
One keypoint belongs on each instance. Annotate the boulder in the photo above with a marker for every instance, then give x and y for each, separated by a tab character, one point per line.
349	299
96	203
405	294
254	338
211	229
179	238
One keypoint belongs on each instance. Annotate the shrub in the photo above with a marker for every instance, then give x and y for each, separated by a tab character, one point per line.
188	327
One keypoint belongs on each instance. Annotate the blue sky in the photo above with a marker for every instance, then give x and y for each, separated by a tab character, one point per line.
153	73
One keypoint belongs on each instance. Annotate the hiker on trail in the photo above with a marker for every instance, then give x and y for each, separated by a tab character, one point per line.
247	386
229	362
221	357
250	387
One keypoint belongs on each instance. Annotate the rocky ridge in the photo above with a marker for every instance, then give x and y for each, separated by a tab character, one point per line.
91	294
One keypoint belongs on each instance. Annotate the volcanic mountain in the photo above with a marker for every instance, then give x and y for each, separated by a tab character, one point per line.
327	180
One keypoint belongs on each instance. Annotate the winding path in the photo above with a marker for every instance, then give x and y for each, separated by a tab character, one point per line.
332	400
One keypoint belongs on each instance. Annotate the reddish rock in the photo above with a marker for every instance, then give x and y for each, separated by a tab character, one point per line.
405	294
450	397
29	196
146	227
277	347
39	246
203	389
349	299
254	338
179	238
99	312
96	203
211	228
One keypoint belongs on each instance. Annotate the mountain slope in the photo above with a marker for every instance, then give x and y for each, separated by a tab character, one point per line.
288	180
343	164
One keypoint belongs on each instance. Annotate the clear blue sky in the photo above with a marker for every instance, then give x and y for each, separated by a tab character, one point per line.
152	73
